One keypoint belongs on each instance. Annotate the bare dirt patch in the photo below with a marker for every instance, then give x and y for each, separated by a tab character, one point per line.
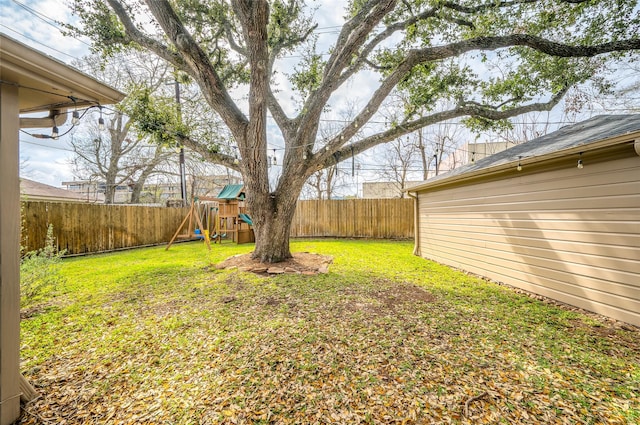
29	312
301	263
388	300
404	294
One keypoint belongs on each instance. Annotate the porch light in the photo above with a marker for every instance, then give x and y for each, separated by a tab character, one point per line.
519	167
54	132
75	118
580	164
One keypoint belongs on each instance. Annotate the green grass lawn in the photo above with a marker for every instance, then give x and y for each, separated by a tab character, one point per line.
157	337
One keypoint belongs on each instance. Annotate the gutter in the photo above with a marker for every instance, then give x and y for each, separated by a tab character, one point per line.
18	57
416	223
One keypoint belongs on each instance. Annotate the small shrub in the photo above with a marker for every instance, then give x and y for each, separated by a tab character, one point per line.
39	272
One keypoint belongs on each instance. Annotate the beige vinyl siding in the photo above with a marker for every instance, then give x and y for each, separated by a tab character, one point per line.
567	233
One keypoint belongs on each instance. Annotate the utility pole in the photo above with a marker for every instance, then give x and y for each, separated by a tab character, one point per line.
183	173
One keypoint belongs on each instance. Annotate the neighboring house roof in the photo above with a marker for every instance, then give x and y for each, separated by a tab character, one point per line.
581	137
35	191
230	191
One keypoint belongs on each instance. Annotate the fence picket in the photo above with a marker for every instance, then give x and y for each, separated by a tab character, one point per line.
88	228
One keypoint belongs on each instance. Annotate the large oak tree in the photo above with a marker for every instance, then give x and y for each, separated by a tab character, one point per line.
490	59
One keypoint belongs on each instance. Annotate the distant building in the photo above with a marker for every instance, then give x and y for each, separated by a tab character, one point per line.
467	154
211	185
478	151
153	193
162	192
95	190
377	190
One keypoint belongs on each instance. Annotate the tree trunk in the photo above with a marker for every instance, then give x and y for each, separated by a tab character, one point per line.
272	227
136	192
330	173
109	191
139	184
272	214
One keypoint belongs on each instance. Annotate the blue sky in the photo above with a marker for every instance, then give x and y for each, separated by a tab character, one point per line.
33	22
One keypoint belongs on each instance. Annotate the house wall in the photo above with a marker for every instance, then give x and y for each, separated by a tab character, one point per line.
566	233
9	256
383	190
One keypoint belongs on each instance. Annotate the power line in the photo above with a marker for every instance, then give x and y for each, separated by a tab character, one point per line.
72	98
46	146
44	18
39	42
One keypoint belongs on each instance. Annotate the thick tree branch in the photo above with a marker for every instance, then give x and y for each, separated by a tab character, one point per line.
455	49
136	36
254	17
211	156
493	5
232	41
471	109
280	117
363	56
537	43
353	35
198	65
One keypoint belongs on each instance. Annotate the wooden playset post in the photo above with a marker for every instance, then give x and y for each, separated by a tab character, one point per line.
193	213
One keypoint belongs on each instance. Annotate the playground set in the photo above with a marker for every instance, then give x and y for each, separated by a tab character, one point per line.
219	218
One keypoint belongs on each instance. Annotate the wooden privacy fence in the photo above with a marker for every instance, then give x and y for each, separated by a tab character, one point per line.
86	228
354	218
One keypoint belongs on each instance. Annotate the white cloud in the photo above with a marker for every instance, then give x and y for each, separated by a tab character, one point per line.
46	163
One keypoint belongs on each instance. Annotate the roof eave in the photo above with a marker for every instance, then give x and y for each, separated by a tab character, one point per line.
501	168
75	88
